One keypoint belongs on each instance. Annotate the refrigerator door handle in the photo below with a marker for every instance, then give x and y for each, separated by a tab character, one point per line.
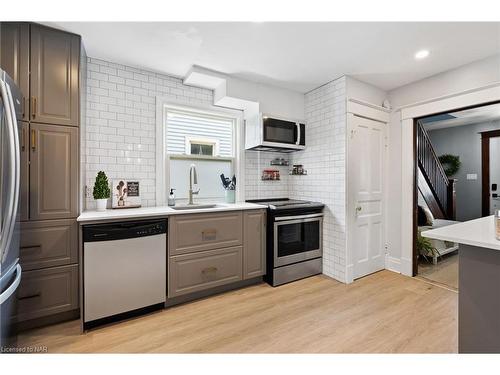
13	287
11	208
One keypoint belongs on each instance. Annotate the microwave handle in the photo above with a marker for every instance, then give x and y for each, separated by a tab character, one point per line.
297	141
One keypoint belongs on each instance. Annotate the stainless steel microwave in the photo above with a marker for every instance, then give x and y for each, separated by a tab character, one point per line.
270	133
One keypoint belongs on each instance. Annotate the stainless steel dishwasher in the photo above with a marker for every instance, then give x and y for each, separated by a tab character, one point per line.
124	269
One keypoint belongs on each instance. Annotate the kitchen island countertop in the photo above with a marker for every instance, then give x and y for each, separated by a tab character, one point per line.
478	232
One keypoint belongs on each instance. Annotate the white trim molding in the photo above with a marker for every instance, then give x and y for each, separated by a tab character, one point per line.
392	264
468	98
163	104
367	110
478	96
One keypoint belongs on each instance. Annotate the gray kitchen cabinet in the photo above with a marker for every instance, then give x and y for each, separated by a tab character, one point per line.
48	243
55	60
208	250
45	64
254	245
53	172
189	233
47	291
24	190
198	271
14	57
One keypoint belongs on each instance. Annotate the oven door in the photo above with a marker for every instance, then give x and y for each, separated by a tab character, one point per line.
297	238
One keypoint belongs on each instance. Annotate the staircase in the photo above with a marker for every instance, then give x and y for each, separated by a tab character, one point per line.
436	188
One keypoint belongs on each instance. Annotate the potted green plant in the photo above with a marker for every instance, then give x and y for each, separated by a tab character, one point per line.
101	191
425	247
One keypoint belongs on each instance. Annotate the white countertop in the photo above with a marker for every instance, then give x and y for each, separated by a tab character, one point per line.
479	232
142	212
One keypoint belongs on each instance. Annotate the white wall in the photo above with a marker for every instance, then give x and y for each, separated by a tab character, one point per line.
272	100
467	77
365	92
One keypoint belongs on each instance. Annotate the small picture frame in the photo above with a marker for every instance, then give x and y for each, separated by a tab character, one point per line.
126	194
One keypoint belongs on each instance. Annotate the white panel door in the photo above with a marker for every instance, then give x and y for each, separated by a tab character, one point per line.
366	194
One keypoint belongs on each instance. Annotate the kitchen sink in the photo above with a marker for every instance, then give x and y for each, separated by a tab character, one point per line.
197	206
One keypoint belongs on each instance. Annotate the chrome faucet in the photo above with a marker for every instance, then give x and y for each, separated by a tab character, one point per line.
193	180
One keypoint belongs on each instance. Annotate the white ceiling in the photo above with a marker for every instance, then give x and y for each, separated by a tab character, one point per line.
298	56
471	116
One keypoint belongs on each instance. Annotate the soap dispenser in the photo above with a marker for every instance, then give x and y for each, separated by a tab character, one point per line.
171	198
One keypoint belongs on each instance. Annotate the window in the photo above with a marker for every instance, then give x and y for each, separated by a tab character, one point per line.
206	139
202	131
202	146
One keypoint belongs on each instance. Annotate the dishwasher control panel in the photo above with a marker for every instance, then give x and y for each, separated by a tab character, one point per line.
123	230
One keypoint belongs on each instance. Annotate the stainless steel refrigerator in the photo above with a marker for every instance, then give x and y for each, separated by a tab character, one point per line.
10	269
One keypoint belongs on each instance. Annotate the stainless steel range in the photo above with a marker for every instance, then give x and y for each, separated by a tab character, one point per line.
294	239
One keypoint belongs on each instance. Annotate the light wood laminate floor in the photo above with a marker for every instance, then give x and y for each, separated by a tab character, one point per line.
445	272
384	312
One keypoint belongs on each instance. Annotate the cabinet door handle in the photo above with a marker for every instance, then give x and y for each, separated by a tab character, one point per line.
209	270
24	107
23	140
33	140
33	108
30	296
209	234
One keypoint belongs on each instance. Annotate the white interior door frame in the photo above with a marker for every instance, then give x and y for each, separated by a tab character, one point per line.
475	97
372	112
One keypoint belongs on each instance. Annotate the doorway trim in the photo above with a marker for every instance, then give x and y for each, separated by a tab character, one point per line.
467	99
485	169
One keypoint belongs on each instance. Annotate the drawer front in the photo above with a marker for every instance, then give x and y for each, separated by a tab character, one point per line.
48	244
194	272
200	232
46	292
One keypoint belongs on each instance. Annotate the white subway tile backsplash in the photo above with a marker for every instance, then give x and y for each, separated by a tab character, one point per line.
120	124
324	159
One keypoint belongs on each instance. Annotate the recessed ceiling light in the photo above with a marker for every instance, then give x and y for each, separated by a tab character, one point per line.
422	54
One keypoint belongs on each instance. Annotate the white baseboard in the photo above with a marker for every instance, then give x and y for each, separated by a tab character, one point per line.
406	267
393	264
349	274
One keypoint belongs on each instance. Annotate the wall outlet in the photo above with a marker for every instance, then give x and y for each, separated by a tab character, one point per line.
87	192
471	176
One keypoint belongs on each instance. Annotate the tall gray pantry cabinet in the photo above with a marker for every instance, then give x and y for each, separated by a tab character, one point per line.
45	63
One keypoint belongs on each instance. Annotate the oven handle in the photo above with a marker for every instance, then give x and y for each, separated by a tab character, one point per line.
282	218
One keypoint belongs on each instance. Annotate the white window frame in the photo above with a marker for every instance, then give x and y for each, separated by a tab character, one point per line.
202	141
163	106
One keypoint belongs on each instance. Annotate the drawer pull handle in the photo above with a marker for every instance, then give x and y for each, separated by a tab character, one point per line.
34	248
209	234
209	270
29	296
